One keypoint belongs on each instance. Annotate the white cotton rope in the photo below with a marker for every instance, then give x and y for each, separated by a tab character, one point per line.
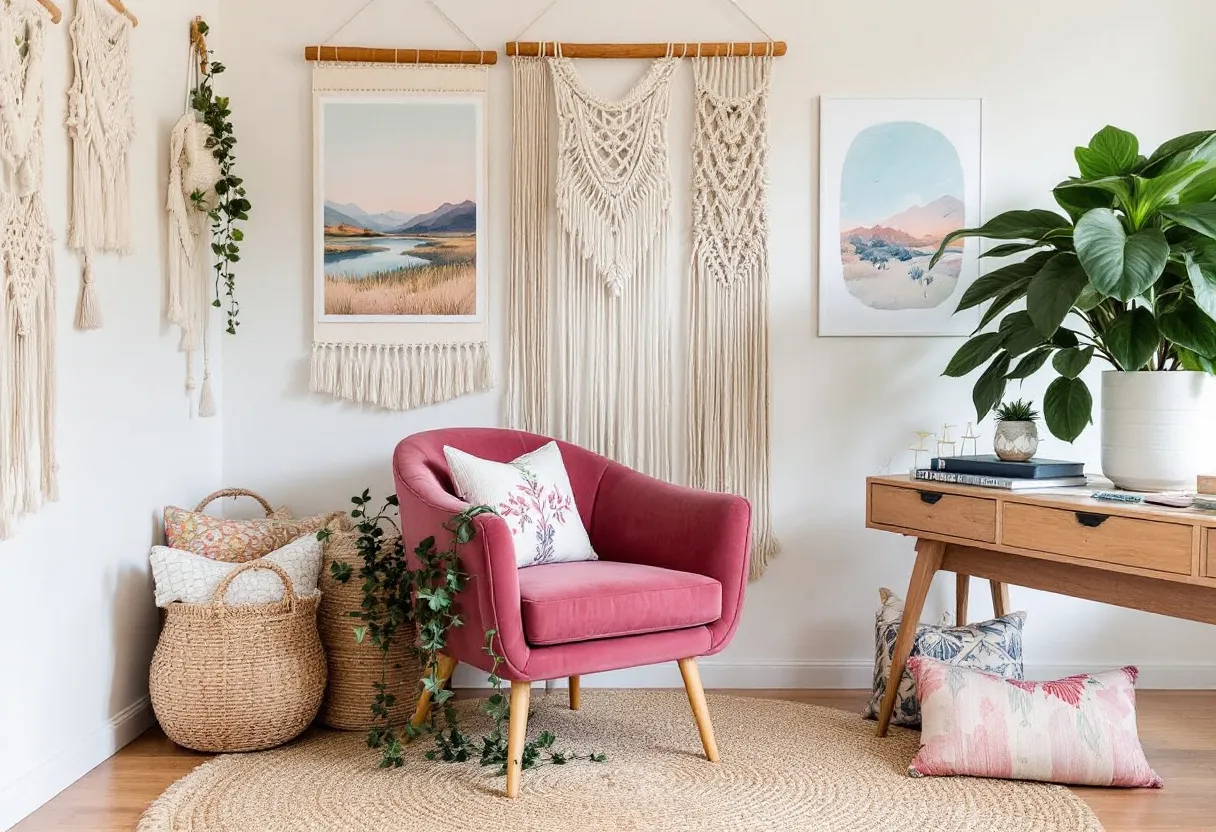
729	389
612	374
101	122
28	467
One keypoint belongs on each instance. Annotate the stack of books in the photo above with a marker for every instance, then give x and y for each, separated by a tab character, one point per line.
989	471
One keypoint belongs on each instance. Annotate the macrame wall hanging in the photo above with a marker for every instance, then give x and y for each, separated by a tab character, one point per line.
400	260
28	469
728	390
101	122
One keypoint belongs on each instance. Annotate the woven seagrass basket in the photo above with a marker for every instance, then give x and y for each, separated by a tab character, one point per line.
238	678
354	667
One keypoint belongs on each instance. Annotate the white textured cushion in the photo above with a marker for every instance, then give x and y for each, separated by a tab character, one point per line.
533	494
185	576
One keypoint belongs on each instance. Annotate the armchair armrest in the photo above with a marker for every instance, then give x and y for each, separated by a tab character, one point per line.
639	519
491	597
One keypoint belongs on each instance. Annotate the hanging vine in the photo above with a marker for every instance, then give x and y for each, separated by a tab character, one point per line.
231	206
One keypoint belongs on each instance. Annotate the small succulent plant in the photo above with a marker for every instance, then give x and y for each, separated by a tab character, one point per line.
1018	411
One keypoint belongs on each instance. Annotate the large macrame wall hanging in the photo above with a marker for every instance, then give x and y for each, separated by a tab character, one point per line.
401	295
101	122
728	390
28	470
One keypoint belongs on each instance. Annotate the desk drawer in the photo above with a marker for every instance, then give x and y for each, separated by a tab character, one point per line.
926	510
1211	553
1148	544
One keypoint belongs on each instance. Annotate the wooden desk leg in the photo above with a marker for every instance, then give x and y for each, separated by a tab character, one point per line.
929	554
1000	599
962	588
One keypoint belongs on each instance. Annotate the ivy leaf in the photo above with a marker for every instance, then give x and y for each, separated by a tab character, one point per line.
360	634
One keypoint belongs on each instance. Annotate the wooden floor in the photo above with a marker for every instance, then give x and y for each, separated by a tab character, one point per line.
1177	728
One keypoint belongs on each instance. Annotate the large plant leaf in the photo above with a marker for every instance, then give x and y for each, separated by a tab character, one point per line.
1186	325
990	386
1030	364
1020	333
1151	195
1071	362
1011	225
1053	292
1178	146
1188	360
997	282
1133	338
1082	191
1068	407
1009	249
1201	269
1204	151
1111	152
1077	199
1200	217
974	353
1118	265
1200	189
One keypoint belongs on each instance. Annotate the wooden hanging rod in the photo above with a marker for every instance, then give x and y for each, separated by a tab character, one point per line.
369	55
52	10
648	50
122	10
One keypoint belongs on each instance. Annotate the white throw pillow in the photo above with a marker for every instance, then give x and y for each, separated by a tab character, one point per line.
533	495
185	576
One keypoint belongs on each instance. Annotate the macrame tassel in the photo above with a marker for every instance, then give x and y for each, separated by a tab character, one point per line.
88	310
400	376
206	400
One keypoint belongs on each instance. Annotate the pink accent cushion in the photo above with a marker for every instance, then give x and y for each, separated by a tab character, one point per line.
1080	730
569	602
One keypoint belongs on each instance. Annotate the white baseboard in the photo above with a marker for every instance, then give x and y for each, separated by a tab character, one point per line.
843	675
78	755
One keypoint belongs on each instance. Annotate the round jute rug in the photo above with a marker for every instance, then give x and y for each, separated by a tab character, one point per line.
785	766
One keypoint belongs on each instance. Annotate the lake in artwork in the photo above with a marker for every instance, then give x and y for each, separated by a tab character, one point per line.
901	193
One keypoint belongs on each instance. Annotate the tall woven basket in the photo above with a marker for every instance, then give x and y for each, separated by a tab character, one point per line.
238	678
354	667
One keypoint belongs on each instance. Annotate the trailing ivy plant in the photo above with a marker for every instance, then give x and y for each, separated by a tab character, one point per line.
1127	274
399	601
232	204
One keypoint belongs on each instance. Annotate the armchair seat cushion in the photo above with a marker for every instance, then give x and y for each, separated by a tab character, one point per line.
568	602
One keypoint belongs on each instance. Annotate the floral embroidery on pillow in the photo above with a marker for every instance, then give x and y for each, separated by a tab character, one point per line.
547	507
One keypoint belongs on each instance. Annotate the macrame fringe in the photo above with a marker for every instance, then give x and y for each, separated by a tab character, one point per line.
206	400
88	309
400	376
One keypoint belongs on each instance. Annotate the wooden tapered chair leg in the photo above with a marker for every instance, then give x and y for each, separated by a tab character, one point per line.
445	666
700	709
517	732
575	693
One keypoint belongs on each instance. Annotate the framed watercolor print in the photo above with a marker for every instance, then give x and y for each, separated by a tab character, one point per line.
399	233
897	176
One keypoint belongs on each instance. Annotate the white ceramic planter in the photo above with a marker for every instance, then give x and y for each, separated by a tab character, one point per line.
1016	441
1158	429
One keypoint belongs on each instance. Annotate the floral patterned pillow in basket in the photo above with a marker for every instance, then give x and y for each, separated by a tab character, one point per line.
994	646
533	494
236	541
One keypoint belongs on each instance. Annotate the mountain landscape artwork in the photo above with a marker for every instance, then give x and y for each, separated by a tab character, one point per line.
901	193
400	191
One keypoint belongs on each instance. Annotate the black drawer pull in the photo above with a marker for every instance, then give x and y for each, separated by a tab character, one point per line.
1089	520
930	497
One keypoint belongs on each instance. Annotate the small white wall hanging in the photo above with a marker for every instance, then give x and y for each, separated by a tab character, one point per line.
400	257
728	389
101	122
28	467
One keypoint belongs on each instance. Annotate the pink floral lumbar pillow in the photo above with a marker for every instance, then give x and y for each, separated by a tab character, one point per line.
1080	730
533	494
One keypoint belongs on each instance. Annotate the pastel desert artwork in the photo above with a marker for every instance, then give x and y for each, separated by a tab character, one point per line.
400	208
901	194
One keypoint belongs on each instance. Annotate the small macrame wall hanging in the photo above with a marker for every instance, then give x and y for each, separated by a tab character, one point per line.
728	384
28	468
101	122
401	293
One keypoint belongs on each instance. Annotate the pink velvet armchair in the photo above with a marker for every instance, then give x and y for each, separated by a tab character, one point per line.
668	585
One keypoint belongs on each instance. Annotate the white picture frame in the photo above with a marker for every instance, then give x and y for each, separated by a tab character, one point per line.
895	175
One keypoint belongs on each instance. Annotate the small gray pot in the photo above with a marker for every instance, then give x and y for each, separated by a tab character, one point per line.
1016	441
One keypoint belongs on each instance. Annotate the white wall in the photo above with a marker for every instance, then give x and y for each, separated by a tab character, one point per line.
843	408
77	622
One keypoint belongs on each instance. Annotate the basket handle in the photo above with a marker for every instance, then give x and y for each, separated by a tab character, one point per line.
217	599
234	492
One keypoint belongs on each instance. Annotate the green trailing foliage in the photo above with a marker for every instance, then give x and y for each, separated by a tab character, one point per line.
399	601
1127	273
232	204
1017	411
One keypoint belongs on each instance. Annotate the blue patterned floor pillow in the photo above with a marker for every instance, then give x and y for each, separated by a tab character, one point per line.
994	646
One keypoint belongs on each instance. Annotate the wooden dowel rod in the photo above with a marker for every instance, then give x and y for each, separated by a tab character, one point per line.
369	55
648	50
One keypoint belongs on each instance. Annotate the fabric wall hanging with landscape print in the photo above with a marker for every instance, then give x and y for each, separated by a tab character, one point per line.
399	233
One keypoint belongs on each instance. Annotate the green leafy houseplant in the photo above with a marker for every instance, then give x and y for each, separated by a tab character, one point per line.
233	205
1127	273
398	600
1017	411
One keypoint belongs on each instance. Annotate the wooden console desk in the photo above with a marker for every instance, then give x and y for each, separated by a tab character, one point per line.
1150	558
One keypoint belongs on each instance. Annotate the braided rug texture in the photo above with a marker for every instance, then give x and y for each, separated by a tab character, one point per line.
785	766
